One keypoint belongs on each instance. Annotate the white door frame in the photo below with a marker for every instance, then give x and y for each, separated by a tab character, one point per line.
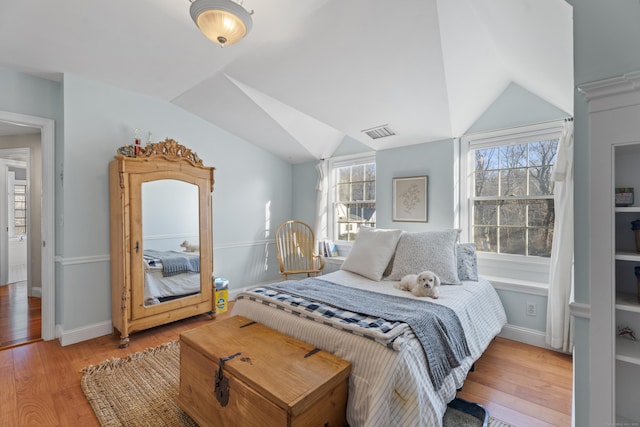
47	135
5	163
4	223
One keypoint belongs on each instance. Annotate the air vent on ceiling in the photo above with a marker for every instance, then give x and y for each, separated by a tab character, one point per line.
377	132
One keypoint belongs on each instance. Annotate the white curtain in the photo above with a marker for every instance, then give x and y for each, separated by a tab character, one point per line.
320	226
559	323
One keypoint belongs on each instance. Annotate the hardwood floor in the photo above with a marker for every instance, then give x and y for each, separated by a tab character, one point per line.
20	316
40	382
523	385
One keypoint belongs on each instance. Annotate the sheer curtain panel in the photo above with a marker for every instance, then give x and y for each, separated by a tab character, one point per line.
320	225
559	323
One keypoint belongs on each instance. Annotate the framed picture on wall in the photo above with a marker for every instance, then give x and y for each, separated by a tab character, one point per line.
410	199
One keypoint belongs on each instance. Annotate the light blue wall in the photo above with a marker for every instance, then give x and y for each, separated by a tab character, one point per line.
434	159
515	307
304	190
515	107
421	159
350	146
252	192
25	94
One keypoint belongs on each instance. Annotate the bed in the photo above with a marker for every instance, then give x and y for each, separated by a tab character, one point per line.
169	275
391	381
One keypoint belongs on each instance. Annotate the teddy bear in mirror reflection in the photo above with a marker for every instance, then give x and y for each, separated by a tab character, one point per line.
188	247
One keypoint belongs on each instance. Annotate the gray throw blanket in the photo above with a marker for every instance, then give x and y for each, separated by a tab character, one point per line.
174	262
437	327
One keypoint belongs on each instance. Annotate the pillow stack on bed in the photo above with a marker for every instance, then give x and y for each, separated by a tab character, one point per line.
378	250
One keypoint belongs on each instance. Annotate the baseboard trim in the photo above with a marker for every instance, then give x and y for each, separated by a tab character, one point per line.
525	335
72	336
84	333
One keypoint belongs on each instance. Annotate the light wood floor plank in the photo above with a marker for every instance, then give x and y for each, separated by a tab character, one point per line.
524	406
522	384
8	399
20	315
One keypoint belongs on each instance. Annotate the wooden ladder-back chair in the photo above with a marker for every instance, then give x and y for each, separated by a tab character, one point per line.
295	244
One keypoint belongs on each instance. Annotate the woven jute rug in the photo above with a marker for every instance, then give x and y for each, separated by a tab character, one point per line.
142	390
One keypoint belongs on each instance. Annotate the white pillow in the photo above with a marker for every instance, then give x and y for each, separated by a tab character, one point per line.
371	252
428	250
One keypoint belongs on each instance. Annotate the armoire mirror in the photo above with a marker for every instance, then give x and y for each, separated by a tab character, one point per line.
170	240
161	236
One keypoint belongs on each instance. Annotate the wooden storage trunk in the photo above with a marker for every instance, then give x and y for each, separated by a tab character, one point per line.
275	380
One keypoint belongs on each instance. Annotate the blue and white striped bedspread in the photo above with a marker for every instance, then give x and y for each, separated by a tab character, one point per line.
387	387
389	334
437	327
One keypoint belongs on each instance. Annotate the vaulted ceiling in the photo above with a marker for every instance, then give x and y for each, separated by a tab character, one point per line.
311	72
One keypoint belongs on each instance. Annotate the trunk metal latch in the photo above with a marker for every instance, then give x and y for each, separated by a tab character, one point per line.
221	388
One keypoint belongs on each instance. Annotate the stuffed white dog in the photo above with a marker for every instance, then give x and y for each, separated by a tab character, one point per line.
188	247
424	284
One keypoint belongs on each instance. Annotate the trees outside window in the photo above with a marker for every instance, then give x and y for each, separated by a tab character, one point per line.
353	196
511	197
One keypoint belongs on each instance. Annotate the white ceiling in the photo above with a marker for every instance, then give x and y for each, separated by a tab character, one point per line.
310	72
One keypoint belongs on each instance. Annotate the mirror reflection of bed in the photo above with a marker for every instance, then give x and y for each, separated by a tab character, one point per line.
170	226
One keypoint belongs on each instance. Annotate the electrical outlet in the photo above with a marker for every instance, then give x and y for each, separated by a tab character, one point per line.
532	309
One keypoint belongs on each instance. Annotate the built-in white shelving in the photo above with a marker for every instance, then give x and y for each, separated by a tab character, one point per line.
629	209
622	421
627	305
627	302
628	350
628	256
614	156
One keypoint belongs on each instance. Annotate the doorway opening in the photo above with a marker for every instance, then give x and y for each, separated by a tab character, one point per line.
20	302
32	221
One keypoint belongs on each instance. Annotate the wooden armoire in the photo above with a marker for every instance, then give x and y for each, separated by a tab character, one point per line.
161	236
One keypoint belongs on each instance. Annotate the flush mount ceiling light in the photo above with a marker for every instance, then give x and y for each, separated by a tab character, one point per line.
224	22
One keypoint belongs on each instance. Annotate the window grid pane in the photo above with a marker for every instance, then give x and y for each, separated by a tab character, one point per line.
355	193
20	209
512	202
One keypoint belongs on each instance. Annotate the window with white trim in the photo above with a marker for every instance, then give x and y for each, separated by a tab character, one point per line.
20	209
352	195
507	205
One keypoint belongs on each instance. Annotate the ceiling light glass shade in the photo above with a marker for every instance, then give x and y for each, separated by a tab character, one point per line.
223	21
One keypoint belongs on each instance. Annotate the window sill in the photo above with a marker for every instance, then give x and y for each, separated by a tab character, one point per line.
338	260
517	285
514	269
